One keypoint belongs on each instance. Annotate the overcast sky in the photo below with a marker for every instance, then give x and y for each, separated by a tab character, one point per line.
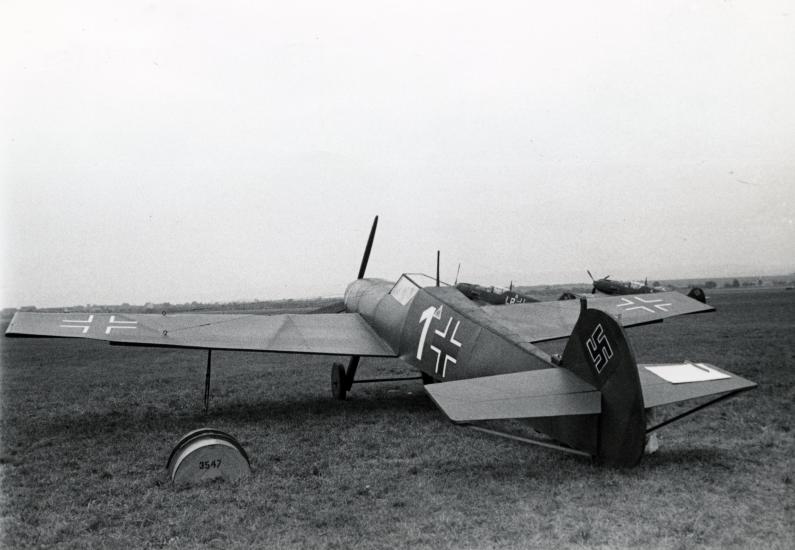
179	151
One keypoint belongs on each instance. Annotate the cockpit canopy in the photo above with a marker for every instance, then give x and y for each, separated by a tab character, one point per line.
408	285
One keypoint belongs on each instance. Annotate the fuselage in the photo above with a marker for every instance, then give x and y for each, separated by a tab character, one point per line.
493	294
609	286
438	330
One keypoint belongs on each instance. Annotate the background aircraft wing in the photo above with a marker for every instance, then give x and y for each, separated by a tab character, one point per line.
539	321
529	394
325	334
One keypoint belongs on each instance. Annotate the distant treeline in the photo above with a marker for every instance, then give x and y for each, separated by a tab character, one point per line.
215	307
308	304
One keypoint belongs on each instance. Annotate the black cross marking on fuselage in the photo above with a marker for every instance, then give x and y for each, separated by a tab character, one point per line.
448	345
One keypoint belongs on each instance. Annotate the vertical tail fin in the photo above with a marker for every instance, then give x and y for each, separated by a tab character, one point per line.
599	353
697	294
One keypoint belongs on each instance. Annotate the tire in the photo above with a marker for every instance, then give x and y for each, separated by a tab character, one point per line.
338	383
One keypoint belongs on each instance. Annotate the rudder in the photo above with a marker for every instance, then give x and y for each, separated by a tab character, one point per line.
697	294
598	352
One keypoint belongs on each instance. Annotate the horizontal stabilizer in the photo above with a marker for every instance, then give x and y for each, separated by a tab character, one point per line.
674	382
530	394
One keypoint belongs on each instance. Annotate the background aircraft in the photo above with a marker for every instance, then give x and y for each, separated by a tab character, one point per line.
483	295
610	286
480	363
493	294
607	285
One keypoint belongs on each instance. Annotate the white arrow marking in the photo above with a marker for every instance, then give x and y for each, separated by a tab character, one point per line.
425	317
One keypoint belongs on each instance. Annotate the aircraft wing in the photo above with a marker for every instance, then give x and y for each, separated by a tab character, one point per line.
539	321
324	334
673	382
529	394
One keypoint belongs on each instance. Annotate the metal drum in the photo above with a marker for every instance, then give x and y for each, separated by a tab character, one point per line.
205	454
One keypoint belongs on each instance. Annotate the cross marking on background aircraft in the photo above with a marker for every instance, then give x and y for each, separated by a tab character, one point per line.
629	302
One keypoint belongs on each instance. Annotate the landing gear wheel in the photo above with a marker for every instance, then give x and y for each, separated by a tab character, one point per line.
338	382
427	379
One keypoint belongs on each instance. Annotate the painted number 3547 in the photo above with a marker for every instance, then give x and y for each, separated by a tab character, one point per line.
209	464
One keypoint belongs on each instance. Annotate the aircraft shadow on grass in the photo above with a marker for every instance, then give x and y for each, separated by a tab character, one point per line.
266	414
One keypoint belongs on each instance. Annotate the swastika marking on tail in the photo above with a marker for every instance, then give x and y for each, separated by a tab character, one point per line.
599	348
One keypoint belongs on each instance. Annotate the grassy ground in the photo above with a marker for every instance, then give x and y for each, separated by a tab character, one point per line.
87	428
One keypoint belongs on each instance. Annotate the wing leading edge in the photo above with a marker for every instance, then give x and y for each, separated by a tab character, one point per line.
322	334
540	321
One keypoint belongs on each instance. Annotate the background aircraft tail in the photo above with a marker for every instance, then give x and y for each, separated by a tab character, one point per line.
697	294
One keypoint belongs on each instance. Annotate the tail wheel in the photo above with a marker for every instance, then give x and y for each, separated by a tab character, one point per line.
338	383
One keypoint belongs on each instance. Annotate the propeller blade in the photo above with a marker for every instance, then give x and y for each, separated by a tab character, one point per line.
367	249
457	271
589	274
437	267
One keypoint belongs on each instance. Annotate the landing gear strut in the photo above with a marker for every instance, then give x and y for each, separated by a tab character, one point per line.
342	378
338	389
207	381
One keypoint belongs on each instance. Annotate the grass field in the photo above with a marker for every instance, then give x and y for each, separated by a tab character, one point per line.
87	429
